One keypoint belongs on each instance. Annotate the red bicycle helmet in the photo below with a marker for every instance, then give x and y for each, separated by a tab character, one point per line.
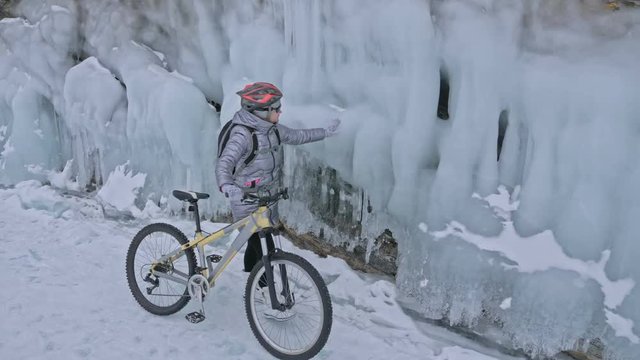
259	96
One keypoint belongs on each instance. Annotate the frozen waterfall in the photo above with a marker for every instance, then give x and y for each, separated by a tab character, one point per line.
515	209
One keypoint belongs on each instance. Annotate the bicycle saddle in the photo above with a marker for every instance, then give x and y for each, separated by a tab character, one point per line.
190	196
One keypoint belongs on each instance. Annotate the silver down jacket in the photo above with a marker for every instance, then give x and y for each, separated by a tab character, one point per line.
265	171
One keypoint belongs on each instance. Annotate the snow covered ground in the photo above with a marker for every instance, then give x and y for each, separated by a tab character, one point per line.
64	296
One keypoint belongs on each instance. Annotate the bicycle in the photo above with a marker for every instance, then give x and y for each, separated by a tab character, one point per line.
284	295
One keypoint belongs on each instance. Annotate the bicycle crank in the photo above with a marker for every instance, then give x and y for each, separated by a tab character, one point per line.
198	287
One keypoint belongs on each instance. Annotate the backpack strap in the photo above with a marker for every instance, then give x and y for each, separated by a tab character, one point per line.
254	148
223	137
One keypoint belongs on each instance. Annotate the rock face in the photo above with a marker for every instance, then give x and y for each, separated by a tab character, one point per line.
589	350
5	9
385	253
619	4
355	258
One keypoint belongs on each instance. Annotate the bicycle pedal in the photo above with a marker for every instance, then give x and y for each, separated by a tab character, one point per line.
195	317
214	258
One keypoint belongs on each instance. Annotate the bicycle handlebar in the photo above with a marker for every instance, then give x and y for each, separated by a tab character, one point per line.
265	199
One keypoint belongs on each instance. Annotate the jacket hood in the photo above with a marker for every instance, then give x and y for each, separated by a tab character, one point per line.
243	117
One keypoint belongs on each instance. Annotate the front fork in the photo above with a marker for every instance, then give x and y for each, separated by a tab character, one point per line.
268	269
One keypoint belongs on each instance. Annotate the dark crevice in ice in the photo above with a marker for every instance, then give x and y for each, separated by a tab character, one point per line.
443	99
503	122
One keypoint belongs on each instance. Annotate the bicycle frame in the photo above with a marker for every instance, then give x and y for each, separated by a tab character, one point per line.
255	222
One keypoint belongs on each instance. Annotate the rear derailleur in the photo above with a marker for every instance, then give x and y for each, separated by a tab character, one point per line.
153	281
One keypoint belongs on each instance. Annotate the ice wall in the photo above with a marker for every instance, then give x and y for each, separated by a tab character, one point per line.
33	61
556	83
83	85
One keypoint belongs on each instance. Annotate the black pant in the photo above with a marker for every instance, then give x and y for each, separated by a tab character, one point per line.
253	253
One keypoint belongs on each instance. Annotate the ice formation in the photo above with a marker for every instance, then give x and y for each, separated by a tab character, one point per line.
548	89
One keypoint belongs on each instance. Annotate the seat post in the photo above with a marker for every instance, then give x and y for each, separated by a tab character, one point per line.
197	215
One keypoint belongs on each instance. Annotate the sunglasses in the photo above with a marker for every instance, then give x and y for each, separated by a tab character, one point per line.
276	109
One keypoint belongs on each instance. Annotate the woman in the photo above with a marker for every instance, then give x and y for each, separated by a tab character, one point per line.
242	170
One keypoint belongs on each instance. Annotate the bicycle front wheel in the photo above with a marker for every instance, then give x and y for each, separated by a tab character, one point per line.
159	295
301	331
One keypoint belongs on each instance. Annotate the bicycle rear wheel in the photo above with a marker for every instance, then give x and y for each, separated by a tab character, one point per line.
296	333
158	295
